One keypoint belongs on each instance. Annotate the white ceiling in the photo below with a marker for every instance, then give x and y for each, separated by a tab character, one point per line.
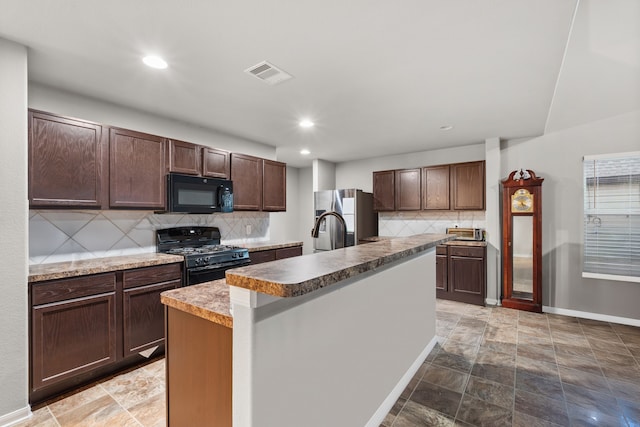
377	77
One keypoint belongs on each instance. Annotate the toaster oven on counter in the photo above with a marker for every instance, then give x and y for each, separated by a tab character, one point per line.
474	234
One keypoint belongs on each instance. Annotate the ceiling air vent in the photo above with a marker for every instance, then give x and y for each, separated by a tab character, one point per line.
268	73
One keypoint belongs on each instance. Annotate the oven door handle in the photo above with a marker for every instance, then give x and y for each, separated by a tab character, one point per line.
219	266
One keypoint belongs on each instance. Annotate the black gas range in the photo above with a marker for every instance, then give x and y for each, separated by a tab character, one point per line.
205	258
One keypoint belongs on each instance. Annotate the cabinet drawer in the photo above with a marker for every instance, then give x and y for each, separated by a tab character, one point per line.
441	250
470	251
149	275
64	289
262	256
288	252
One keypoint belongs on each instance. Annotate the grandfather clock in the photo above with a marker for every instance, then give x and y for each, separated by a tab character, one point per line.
522	241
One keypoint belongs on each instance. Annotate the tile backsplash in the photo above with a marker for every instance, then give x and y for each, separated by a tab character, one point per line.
80	234
399	224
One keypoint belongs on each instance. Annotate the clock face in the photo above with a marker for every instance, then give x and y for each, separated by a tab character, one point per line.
522	201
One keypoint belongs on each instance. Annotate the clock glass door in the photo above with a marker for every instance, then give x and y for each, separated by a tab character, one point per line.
522	256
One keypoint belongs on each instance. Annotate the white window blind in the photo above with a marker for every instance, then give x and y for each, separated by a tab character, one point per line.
612	217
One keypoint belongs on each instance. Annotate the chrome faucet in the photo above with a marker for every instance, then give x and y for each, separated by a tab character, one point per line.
316	226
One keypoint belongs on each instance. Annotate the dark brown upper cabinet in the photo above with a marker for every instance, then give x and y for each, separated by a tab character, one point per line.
384	191
216	163
468	186
457	186
246	174
435	187
192	159
407	191
67	162
136	170
183	157
274	186
258	184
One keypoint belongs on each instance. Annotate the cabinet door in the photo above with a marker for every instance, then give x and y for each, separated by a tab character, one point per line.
137	170
184	157
67	162
435	187
441	270
215	163
72	337
467	181
246	174
274	186
407	191
143	316
467	276
384	191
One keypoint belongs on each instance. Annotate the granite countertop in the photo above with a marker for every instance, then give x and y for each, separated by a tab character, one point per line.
297	276
59	270
268	245
209	300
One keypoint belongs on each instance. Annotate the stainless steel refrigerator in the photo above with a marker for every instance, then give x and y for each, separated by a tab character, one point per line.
356	209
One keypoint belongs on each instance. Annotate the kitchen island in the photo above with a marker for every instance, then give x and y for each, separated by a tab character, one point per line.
329	338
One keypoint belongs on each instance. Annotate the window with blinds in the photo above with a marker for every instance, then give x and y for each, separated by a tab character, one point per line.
612	217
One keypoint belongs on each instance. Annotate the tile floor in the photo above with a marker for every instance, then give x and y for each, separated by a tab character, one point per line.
132	399
491	367
501	367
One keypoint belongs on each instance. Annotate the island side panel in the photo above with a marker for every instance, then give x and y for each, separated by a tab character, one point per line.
338	356
199	361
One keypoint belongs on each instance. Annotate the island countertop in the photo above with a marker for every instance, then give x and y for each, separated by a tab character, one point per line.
297	276
209	300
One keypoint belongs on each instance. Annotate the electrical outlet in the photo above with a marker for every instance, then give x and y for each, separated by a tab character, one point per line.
247	229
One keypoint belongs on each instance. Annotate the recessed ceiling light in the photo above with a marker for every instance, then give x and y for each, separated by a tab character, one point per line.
306	123
446	127
305	152
155	62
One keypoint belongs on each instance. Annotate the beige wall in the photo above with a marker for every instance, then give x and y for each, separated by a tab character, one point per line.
13	223
557	157
357	174
68	104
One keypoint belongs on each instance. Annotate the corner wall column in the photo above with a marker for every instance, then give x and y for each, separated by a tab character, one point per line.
492	191
13	222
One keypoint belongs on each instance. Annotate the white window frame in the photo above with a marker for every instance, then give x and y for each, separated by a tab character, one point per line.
591	213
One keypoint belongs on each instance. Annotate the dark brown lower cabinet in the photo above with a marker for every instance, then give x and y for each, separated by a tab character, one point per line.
86	327
72	337
199	371
258	257
461	273
143	315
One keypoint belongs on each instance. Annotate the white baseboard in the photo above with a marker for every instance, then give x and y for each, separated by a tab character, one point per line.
491	301
15	417
592	316
388	403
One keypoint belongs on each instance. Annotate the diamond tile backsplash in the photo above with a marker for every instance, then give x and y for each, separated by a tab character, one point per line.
72	235
400	224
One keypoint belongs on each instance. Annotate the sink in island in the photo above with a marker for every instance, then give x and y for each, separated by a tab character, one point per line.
330	338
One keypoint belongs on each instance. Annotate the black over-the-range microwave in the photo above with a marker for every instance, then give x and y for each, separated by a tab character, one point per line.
194	194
